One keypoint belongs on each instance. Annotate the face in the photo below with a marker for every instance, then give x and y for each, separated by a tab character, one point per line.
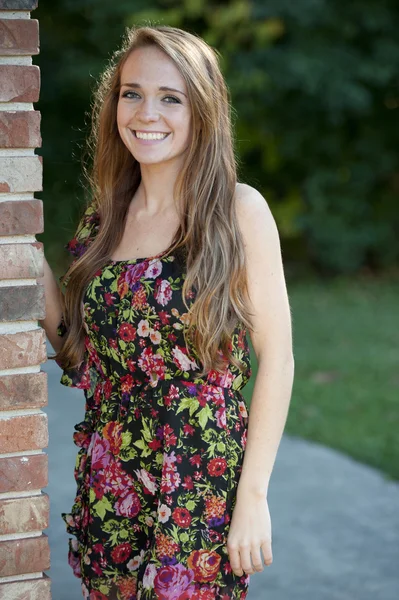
154	115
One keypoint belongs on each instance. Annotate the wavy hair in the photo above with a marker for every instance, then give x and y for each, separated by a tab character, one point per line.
208	231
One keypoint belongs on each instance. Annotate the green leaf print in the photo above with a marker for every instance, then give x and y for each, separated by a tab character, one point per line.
147	435
237	382
188	403
102	506
126	439
221	447
190	505
143	446
204	415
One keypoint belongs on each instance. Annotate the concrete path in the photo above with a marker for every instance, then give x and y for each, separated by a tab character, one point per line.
335	521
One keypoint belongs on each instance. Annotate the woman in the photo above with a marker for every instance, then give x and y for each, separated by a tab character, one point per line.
174	262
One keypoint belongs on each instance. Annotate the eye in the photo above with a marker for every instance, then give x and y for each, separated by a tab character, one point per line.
172	100
125	95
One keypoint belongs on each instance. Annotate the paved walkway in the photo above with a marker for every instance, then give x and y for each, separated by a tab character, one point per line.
335	521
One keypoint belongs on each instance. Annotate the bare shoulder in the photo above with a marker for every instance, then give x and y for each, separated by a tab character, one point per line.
255	219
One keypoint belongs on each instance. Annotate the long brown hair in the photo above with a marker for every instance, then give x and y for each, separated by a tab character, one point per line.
208	230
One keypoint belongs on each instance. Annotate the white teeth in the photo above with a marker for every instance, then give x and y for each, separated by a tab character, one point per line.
150	136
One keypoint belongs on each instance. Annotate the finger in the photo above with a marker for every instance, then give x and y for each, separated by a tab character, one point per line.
256	558
245	556
234	558
267	553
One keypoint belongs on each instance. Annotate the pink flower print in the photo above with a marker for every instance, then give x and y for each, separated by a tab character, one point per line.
164	513
221	417
115	479
163	292
134	273
154	269
171	581
100	455
153	365
155	336
148	480
170	479
149	576
181	359
128	505
143	329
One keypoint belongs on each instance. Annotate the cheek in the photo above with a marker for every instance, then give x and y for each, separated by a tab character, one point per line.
122	114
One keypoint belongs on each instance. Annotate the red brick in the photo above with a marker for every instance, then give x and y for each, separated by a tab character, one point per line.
23	349
21	217
23	473
23	432
21	173
29	589
27	555
28	390
20	129
21	261
19	37
24	515
19	83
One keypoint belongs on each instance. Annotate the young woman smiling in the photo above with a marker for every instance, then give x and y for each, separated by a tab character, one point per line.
174	262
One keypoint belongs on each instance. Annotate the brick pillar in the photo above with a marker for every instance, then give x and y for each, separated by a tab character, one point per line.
24	509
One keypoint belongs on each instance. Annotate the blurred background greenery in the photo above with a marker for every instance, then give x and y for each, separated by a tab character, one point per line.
315	90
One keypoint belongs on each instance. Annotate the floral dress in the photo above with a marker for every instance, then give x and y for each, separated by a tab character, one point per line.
160	449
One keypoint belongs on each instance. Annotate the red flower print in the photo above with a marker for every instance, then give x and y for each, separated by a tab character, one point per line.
188	483
205	564
127	332
182	517
128	588
121	553
195	460
109	299
154	444
169	435
164	316
217	466
112	432
126	383
107	389
188	429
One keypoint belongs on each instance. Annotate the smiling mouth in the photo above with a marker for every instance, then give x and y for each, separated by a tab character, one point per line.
150	135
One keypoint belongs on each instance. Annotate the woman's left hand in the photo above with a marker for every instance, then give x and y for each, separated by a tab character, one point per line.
250	535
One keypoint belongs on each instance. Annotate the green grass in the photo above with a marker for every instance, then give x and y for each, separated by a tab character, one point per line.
346	389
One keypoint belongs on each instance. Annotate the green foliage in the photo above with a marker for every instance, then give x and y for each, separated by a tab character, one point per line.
345	393
314	85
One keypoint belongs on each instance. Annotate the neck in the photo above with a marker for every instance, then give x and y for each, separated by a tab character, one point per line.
156	190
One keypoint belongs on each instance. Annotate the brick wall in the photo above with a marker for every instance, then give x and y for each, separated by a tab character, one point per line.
24	508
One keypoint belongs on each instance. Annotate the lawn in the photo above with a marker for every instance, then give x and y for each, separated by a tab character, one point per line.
346	390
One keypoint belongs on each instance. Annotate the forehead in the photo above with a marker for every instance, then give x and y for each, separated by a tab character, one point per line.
149	65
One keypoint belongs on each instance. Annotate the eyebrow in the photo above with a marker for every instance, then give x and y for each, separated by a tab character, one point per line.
163	88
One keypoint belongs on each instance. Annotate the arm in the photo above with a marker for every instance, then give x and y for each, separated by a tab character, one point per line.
53	307
271	339
250	530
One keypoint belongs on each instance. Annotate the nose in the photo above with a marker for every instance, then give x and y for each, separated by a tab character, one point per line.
147	112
